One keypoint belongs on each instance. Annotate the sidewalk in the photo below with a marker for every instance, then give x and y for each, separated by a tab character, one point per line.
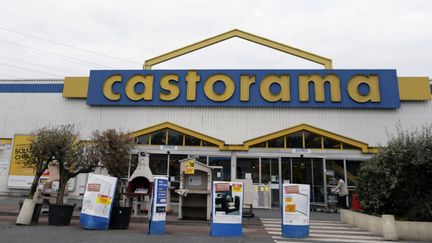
9	207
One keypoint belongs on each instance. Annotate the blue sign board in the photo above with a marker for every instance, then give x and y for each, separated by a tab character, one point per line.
333	88
162	191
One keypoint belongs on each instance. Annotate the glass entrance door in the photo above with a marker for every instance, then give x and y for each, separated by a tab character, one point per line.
309	171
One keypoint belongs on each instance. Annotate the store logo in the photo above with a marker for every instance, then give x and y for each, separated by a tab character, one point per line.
256	88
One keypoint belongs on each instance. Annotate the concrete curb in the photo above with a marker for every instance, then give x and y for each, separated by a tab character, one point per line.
388	227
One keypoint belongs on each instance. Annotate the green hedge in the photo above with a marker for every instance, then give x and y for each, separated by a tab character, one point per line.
398	180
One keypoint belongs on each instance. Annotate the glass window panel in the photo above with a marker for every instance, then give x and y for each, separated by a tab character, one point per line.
348	146
331	144
248	165
208	144
312	140
143	139
225	162
274	175
202	159
333	168
295	140
158	138
352	167
158	164
175	138
286	169
276	143
265	171
174	167
191	141
302	171
318	185
259	145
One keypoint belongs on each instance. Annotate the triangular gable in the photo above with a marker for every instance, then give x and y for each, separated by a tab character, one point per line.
305	127
326	62
177	128
250	143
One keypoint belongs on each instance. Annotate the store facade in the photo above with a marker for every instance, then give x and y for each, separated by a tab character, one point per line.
302	126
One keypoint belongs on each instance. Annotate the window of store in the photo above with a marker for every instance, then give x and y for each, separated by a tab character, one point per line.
158	164
225	162
144	139
352	168
277	143
175	138
318	180
286	169
274	173
331	144
265	170
191	141
158	138
312	140
174	166
248	166
334	168
295	140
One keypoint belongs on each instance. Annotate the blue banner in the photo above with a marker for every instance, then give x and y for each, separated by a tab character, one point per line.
331	88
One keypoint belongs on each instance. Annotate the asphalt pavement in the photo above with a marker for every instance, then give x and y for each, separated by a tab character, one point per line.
193	231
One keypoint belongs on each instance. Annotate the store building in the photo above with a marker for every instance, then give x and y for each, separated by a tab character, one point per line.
305	126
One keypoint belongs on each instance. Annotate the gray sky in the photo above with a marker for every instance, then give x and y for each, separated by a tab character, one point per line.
354	34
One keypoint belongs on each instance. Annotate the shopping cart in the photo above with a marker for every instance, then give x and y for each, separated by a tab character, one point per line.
332	200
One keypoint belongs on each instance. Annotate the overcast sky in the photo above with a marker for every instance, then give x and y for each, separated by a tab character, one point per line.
54	39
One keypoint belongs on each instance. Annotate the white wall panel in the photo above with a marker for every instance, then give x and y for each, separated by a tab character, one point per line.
24	112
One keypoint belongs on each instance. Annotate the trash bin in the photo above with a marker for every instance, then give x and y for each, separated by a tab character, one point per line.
355	202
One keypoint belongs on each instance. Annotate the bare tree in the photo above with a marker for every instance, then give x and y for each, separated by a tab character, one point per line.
114	149
71	156
39	155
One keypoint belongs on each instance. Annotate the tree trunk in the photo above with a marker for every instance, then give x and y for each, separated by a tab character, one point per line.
34	185
61	191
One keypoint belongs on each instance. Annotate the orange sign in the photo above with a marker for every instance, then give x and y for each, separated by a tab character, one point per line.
190	167
237	187
103	199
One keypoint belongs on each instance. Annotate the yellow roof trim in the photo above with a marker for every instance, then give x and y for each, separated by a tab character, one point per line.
168	125
363	146
247	144
5	140
326	62
75	87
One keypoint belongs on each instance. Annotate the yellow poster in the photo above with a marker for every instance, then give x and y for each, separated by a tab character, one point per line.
290	208
20	176
237	187
103	199
20	148
190	167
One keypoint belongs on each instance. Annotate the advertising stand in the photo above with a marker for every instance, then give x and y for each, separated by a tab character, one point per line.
295	210
98	201
157	223
227	208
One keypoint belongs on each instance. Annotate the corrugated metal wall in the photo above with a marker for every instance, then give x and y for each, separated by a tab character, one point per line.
24	112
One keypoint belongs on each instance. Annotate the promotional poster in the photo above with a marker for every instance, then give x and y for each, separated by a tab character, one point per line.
227	202
158	206
295	210
97	201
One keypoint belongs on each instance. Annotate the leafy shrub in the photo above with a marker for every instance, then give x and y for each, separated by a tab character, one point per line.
398	180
